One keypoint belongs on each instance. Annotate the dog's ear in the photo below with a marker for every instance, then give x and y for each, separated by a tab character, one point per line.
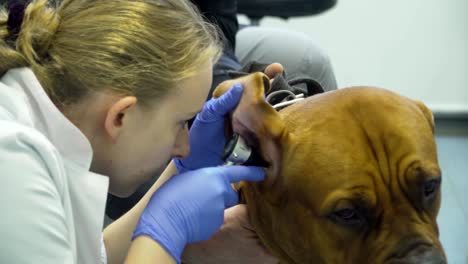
257	122
427	113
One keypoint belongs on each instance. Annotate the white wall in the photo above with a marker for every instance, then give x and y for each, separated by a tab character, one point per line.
418	48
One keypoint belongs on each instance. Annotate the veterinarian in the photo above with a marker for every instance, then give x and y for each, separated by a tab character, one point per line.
95	95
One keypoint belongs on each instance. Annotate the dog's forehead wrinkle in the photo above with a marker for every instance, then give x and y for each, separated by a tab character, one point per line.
373	146
355	184
387	143
409	183
375	141
375	135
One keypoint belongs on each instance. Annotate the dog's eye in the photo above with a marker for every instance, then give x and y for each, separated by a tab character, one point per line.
347	216
430	187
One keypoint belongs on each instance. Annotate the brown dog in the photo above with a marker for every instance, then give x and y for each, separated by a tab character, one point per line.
354	176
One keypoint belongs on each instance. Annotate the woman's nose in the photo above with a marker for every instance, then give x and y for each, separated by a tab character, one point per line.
182	144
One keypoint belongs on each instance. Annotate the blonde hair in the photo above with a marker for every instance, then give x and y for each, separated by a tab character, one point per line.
141	48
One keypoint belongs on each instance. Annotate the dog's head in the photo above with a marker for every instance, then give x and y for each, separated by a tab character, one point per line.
354	176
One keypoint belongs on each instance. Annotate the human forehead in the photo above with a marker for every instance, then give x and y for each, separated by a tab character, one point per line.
190	94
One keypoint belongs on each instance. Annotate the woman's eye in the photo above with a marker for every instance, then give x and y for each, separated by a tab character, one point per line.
190	122
183	123
187	123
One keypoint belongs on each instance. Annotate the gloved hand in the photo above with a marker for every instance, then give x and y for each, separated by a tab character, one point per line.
190	206
207	138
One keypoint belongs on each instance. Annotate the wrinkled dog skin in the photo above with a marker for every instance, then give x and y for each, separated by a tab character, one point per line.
354	176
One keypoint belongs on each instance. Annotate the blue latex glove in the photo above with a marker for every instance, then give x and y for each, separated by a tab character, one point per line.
190	206
207	138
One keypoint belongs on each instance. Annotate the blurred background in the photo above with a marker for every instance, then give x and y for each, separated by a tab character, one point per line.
418	48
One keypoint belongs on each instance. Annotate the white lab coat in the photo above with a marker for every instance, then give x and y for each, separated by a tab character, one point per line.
52	206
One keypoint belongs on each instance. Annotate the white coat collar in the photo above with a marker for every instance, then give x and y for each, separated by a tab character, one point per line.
45	116
26	102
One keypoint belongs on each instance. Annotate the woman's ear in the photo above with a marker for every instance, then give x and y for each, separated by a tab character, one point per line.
258	123
116	116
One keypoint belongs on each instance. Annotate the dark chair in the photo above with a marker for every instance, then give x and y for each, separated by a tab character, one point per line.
256	9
